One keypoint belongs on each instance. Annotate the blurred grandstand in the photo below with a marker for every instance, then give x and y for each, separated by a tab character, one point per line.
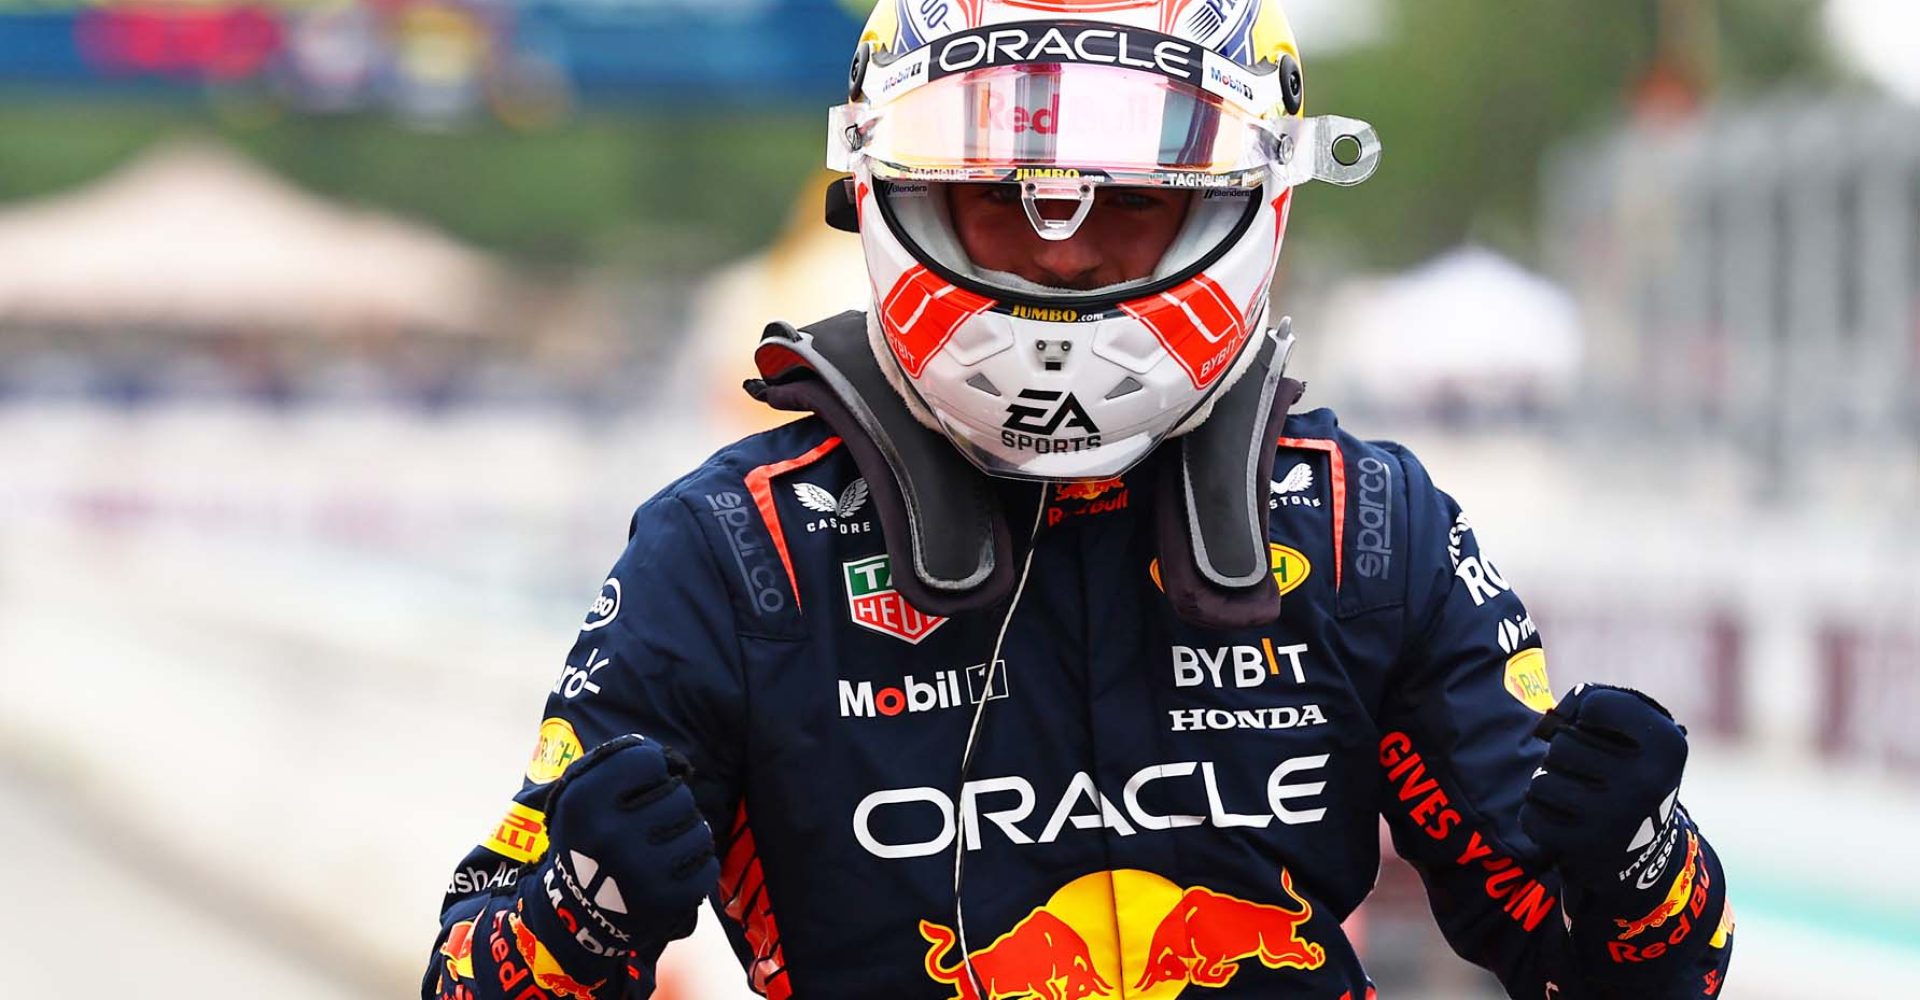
338	340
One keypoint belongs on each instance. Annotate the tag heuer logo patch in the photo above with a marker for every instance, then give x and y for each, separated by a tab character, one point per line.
874	604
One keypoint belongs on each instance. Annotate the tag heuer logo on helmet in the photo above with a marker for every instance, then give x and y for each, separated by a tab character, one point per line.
839	510
1034	425
1290	490
872	603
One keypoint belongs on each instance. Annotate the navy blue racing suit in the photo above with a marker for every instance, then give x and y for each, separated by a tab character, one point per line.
1152	806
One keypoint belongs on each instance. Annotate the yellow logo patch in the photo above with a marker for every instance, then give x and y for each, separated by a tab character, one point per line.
1527	679
521	835
1290	568
558	748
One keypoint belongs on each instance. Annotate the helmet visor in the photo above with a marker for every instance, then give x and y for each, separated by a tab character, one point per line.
1068	120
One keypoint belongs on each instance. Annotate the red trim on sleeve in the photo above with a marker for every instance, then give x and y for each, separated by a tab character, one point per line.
1338	475
760	484
744	887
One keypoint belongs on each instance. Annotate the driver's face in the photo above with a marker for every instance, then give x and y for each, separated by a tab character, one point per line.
1122	239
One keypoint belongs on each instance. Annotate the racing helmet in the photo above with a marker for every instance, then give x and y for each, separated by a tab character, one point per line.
1064	99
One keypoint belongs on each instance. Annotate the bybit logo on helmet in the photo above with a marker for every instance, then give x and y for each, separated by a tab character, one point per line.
1032	428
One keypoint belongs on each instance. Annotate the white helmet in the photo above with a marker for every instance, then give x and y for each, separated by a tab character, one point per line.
1063	97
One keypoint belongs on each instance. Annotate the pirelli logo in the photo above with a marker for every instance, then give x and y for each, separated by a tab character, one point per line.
521	835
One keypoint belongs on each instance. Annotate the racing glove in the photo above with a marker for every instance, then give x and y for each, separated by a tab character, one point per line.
1605	800
1641	885
630	858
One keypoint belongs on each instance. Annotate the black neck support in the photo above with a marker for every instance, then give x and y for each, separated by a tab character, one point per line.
943	519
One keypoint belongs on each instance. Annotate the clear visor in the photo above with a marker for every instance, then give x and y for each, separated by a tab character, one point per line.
1011	122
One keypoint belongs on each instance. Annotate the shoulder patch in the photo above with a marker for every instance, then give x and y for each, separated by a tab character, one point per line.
731	497
1376	549
759	483
1293	486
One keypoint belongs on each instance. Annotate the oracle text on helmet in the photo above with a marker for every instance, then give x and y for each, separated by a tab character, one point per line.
1012	45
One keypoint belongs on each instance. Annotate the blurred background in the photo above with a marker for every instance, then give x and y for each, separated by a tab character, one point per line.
338	339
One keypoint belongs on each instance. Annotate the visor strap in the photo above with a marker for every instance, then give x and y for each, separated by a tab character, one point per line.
1032	192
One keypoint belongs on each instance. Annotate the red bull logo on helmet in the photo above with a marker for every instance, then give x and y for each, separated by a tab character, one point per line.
1128	933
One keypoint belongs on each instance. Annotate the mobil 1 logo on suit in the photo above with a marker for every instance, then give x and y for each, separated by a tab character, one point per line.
924	693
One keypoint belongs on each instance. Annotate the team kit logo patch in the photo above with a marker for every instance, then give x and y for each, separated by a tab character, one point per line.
1294	489
1290	568
837	512
873	604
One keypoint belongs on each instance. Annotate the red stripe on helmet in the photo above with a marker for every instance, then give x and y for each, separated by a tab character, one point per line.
1197	323
922	313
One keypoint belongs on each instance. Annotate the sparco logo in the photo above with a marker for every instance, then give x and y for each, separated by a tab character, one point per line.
1039	41
1007	802
1032	428
914	695
1375	542
750	557
605	608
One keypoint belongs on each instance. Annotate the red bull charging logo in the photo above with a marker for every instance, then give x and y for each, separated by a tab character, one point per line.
458	950
1128	933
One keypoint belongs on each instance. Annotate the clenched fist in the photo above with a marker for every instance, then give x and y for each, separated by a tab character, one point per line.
629	859
1604	803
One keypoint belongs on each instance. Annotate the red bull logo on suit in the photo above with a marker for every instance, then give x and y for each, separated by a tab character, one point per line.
1128	933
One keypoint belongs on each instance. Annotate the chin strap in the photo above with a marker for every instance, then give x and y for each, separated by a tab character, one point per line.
943	520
